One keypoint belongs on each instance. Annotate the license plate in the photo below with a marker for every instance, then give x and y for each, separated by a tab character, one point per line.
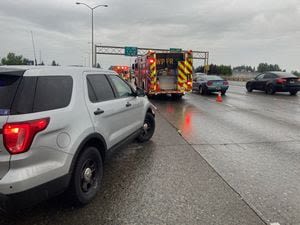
217	83
292	82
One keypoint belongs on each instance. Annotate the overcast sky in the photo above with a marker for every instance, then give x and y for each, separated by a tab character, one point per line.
235	32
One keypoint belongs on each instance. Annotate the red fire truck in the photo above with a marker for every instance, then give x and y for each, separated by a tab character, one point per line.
164	73
123	71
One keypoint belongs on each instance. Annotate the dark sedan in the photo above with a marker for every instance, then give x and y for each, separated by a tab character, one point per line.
272	82
206	84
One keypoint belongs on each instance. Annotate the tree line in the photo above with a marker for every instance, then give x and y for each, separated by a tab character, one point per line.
215	69
13	59
226	70
244	68
264	67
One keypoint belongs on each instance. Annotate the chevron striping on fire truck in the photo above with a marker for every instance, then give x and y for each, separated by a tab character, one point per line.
164	73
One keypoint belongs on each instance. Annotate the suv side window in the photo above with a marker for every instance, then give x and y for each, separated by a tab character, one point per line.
52	92
37	94
99	89
122	88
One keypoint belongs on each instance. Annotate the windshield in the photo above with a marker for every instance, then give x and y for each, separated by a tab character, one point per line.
213	78
168	60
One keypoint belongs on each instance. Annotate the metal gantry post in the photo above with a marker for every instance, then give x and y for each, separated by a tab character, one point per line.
93	65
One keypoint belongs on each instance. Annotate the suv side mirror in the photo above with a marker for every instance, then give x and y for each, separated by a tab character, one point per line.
140	92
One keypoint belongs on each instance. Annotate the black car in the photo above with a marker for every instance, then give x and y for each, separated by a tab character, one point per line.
272	82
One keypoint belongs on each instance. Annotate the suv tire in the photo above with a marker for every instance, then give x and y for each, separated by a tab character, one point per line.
148	128
87	176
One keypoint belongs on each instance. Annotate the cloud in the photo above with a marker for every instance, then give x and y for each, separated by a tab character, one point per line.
235	32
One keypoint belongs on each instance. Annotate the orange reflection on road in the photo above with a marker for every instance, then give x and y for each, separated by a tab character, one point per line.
170	108
186	126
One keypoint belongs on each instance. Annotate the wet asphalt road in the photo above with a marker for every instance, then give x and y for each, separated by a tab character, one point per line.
237	162
252	140
164	181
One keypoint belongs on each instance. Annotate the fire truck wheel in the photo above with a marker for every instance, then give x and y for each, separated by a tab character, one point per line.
148	128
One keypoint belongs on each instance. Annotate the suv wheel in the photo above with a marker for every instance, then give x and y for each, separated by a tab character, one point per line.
148	128
293	92
87	176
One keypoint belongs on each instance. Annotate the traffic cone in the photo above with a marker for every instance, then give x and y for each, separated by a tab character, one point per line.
219	97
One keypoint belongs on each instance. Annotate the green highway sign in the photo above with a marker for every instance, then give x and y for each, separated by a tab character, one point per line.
131	51
175	50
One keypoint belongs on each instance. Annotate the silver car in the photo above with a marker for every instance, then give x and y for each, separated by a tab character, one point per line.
206	84
56	126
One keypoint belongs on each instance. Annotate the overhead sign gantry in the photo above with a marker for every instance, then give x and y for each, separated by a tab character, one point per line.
135	51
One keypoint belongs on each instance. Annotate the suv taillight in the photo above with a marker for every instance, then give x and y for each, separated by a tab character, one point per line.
17	137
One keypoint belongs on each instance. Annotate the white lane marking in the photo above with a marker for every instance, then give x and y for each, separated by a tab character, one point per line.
274	223
229	105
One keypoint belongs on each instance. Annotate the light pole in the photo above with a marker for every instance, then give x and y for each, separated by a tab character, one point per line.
92	9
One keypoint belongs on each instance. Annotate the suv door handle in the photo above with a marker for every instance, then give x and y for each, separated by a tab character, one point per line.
98	111
128	104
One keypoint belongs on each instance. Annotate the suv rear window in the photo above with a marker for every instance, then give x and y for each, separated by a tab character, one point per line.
21	95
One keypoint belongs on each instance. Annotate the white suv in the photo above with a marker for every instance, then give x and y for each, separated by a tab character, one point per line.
56	126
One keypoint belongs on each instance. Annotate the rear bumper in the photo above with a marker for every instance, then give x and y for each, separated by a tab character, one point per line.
163	92
286	88
215	89
24	199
